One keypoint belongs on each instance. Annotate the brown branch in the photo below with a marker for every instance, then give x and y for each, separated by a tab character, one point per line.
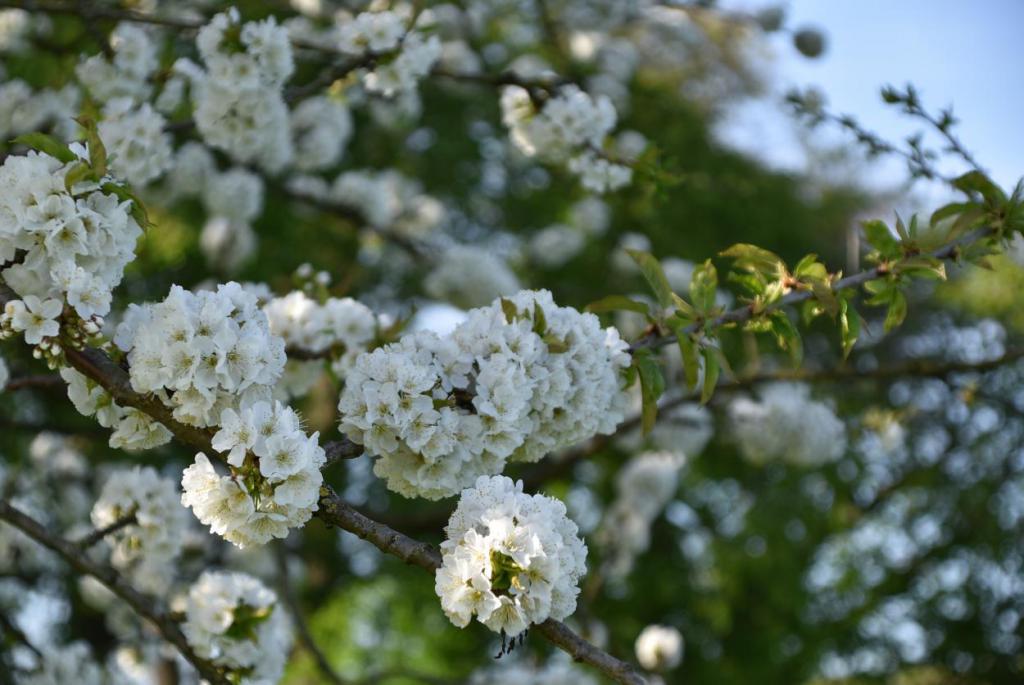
333	510
147	607
87	541
949	251
43	380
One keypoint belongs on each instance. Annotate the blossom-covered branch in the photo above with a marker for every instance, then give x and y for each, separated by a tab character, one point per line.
144	606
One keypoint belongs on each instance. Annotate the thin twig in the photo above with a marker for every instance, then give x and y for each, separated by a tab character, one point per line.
292	603
87	541
949	251
43	380
8	626
147	607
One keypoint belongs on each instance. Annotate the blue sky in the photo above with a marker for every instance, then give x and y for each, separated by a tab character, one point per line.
968	54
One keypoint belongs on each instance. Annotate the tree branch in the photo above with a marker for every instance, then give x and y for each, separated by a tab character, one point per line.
292	603
333	510
144	606
950	251
43	380
87	541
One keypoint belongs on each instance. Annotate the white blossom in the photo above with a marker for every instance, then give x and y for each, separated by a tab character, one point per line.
321	127
35	318
516	380
659	648
470	276
133	429
236	622
787	424
274	480
72	663
239	106
148	548
134	137
203	352
127	73
76	243
509	559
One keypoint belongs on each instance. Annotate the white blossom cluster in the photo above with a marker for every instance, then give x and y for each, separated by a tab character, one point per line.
787	424
236	622
76	243
202	352
509	558
72	663
470	276
146	549
557	670
554	245
126	74
570	128
275	478
233	199
133	429
23	110
321	128
318	327
406	56
516	380
659	648
239	107
643	489
134	137
387	199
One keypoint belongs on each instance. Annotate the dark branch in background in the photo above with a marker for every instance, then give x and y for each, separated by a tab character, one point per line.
87	541
950	251
920	159
147	607
44	380
292	604
8	627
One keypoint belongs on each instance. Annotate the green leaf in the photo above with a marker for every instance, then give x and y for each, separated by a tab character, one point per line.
703	287
555	346
787	336
652	385
540	324
924	266
950	210
509	307
77	173
897	311
711	371
124	193
97	151
849	326
879	236
688	350
655	275
46	144
755	259
810	267
613	303
684	308
977	182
